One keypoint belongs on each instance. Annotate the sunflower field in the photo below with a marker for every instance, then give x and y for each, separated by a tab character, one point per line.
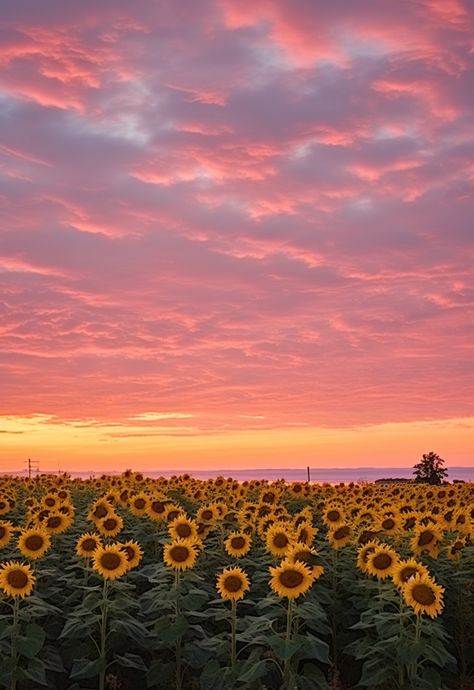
128	582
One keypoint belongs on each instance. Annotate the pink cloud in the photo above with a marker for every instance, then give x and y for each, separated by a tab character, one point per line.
236	210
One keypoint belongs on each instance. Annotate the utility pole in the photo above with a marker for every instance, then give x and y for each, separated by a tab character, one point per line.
32	465
309	476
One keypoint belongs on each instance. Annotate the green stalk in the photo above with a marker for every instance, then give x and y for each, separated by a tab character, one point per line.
233	657
103	634
14	652
289	621
401	668
179	672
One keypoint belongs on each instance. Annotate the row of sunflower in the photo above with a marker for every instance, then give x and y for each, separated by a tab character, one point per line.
225	584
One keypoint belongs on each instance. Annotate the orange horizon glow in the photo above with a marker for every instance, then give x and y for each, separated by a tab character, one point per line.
96	448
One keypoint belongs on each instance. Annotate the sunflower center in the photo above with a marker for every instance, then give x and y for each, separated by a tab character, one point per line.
388	524
410	523
183	530
110	523
54	521
237	542
34	542
334	515
425	538
110	561
207	514
89	544
179	553
3	531
303	536
158	507
382	561
365	536
280	540
407	573
140	503
342	532
50	501
172	515
100	512
233	583
423	594
129	551
291	578
17	579
302	556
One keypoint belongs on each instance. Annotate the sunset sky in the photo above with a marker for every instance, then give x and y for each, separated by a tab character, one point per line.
236	234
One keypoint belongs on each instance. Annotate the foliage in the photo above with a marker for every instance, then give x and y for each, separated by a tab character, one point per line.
430	469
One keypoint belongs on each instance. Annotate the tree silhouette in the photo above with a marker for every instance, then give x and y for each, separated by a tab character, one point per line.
430	469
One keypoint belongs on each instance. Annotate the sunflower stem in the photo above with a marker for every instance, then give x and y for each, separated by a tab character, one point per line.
179	672
289	621
103	634
234	633
14	652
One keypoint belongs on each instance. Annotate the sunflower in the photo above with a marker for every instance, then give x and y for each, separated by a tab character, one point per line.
110	561
423	595
16	579
156	509
333	516
138	504
290	579
133	552
382	562
181	554
87	544
308	556
406	570
4	505
34	542
232	584
99	510
56	523
6	529
279	538
110	526
426	539
172	512
305	533
454	550
208	513
183	528
238	544
50	501
340	536
390	524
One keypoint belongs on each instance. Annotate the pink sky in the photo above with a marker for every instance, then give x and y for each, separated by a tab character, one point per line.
236	233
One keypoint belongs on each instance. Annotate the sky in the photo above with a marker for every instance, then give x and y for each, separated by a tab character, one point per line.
236	234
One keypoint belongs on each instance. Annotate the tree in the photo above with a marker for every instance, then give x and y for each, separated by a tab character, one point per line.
430	469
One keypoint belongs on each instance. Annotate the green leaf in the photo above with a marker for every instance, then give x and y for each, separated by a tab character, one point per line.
84	668
210	674
131	661
159	673
169	630
252	671
194	601
36	671
284	649
314	648
32	641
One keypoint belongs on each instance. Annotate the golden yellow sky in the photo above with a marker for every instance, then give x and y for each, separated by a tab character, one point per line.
84	446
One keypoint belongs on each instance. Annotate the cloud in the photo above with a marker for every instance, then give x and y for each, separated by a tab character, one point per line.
257	215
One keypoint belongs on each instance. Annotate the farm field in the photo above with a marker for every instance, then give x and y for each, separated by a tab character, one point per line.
129	582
